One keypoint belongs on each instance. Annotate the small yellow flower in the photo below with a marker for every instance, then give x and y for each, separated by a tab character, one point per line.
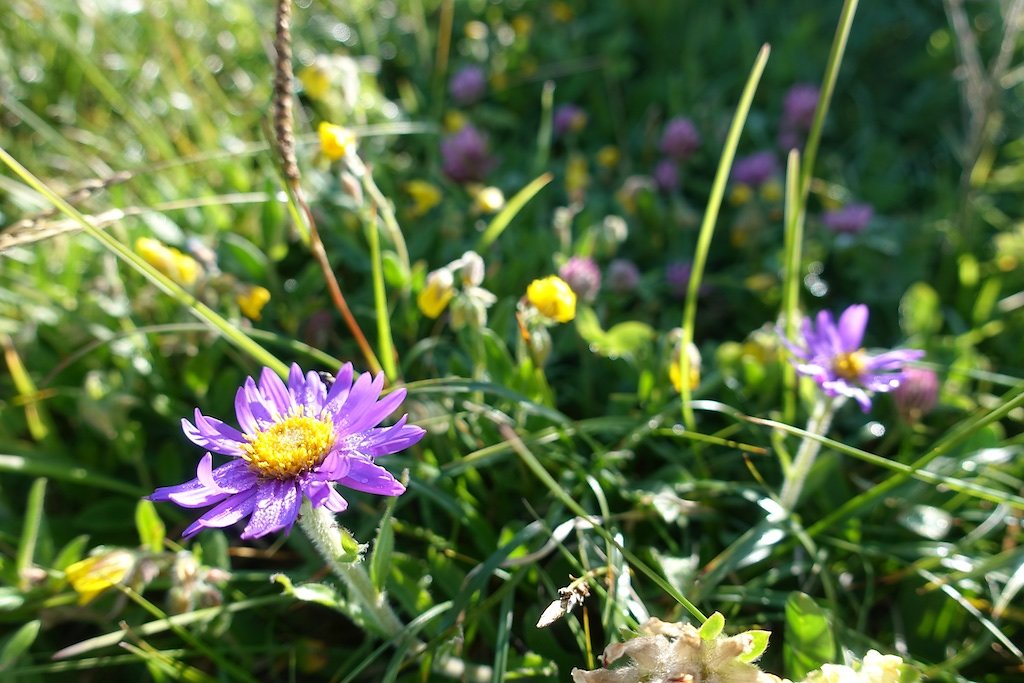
562	12
336	141
180	267
522	24
771	191
93	575
608	156
454	121
740	194
675	370
553	297
425	196
439	290
489	200
316	80
577	176
476	30
251	301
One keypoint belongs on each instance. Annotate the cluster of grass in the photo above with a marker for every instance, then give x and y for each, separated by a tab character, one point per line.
551	453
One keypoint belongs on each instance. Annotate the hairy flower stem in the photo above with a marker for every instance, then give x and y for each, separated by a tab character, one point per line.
819	422
320	527
285	140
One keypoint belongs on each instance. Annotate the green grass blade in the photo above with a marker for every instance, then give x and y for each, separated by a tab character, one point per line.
30	532
707	227
510	210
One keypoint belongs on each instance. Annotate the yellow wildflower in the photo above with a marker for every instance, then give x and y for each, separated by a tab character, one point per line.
675	369
439	290
180	267
251	301
553	297
336	141
489	200
454	121
740	194
608	156
425	196
562	12
316	80
476	30
522	24
771	191
577	176
93	575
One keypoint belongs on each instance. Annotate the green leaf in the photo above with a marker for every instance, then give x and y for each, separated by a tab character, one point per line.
712	628
809	641
149	525
760	639
920	310
243	258
626	340
380	559
71	553
18	643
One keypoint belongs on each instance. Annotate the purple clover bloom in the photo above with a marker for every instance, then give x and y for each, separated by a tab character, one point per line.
583	277
833	356
755	169
296	441
850	219
465	157
568	118
799	106
623	276
917	394
677	275
468	85
680	138
666	175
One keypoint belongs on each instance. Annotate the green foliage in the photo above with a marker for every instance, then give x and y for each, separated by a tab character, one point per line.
553	451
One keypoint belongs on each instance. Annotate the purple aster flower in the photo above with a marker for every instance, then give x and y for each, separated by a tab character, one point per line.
623	276
799	106
295	441
833	356
666	175
465	157
569	118
468	85
680	138
583	277
850	219
755	169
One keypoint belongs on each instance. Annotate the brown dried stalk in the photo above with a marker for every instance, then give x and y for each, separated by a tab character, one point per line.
285	141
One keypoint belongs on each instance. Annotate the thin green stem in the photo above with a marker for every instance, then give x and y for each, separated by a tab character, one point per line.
385	342
322	530
793	239
819	422
707	228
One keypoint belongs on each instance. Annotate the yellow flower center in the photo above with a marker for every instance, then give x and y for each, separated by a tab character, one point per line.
291	447
850	365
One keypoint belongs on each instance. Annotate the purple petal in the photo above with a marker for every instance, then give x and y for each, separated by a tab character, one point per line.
852	324
227	479
276	507
893	359
262	409
335	502
377	412
245	418
340	390
230	511
363	475
391	439
296	383
213	435
363	395
334	466
274	389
